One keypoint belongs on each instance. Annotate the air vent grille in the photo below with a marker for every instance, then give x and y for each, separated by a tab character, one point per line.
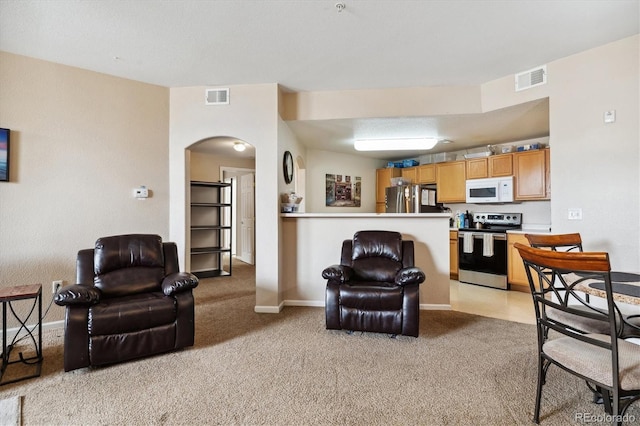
216	97
532	78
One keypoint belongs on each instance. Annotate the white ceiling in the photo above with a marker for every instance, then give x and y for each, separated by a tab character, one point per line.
309	45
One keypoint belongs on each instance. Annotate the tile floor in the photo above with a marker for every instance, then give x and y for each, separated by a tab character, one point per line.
490	302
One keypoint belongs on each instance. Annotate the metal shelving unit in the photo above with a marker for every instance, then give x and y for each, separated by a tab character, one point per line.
211	222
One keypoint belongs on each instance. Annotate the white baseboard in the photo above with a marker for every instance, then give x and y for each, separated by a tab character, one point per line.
320	304
269	309
435	307
309	303
11	332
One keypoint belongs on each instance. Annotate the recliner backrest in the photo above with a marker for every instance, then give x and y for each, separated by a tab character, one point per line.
128	264
376	255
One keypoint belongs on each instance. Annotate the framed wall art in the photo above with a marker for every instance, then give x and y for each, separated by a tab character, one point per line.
343	190
4	154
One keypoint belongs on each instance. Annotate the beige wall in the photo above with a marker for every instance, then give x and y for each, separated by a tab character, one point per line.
320	163
594	166
402	102
251	116
81	142
206	166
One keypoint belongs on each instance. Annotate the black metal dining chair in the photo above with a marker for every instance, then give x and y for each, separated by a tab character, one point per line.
573	243
611	365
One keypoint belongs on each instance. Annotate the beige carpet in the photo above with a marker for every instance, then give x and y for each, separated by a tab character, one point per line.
287	369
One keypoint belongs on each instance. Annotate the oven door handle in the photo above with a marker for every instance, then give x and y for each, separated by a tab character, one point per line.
496	236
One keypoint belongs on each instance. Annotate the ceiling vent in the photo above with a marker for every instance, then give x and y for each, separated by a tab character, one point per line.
532	78
216	97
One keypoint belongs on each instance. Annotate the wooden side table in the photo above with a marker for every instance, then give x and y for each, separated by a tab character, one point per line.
11	294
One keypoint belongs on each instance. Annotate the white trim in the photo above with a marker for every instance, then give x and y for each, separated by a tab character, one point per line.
309	303
269	309
11	332
435	307
320	304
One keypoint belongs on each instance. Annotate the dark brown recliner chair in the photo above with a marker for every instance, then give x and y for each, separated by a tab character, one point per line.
130	301
375	287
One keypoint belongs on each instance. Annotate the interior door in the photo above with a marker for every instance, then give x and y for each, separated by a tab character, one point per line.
247	219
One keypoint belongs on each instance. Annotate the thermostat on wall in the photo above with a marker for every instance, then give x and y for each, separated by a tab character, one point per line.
141	193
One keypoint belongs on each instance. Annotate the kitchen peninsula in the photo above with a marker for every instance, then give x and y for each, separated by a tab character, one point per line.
313	241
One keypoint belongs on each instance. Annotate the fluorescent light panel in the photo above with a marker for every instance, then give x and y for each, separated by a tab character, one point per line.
394	144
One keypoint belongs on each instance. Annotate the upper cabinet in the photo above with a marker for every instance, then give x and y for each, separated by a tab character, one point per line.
450	181
383	180
477	168
531	175
410	173
501	165
427	173
530	170
493	166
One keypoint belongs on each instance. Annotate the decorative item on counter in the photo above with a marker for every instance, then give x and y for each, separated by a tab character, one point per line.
289	202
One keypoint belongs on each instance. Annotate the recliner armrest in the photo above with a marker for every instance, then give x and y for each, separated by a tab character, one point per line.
340	273
410	275
77	294
178	282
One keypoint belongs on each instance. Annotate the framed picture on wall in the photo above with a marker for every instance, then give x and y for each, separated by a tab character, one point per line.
4	155
343	190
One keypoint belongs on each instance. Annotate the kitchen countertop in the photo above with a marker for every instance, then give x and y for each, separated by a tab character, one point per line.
526	229
377	215
532	229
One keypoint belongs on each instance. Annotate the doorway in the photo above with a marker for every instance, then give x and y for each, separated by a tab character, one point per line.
217	159
243	232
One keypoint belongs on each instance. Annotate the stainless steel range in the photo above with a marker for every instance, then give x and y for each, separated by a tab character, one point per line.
482	249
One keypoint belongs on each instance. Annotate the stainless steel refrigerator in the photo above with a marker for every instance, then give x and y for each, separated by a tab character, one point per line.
411	199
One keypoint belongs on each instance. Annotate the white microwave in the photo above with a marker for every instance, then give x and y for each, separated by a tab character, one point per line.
491	190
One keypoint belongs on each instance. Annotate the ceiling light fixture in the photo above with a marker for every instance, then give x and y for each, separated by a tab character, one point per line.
239	146
394	144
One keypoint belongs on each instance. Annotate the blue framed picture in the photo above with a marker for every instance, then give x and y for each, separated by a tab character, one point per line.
4	155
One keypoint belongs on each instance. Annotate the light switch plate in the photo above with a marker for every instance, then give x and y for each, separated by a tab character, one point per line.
610	116
575	214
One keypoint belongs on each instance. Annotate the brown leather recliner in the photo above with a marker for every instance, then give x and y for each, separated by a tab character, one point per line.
130	301
375	287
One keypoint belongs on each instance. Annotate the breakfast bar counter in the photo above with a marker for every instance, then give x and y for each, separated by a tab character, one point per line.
312	241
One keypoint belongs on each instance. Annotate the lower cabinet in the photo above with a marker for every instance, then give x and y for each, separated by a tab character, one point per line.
516	274
453	254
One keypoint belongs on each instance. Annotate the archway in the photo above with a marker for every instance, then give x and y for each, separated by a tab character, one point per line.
217	235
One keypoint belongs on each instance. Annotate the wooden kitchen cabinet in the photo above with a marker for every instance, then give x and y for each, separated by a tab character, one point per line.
427	173
516	274
493	166
547	165
500	165
530	171
477	168
450	181
383	180
453	254
410	173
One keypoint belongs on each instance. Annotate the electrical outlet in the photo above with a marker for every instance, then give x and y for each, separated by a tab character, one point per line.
55	285
575	214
